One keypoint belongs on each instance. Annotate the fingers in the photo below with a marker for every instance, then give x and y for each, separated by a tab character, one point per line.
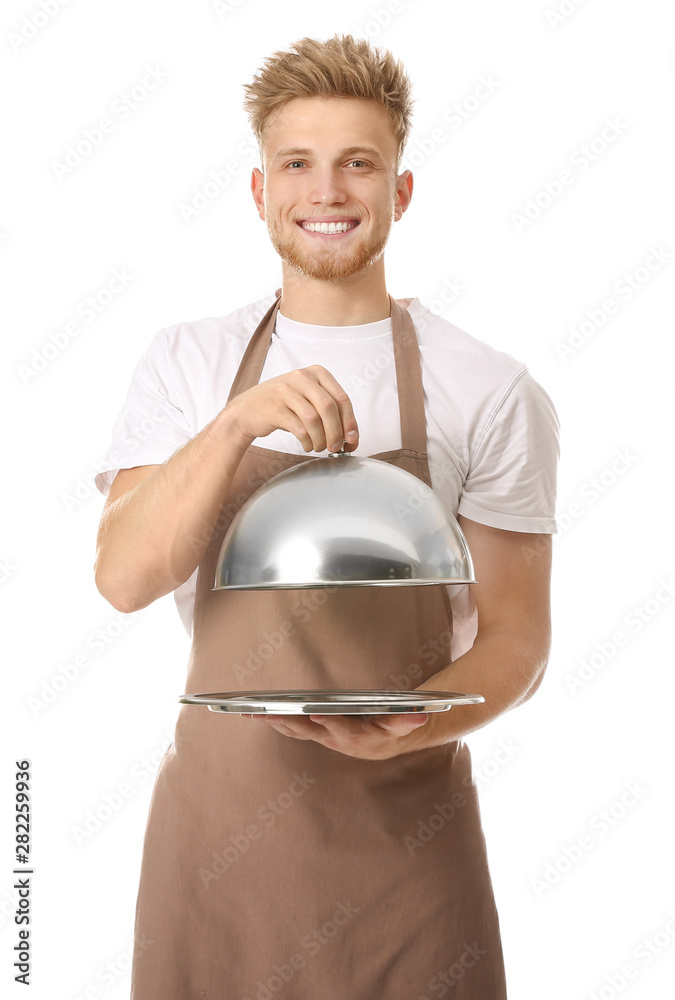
355	736
348	429
403	723
319	411
307	402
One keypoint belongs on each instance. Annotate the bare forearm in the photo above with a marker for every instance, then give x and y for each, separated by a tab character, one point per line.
152	538
155	531
504	667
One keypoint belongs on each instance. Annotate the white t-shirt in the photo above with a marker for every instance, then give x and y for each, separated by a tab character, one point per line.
493	432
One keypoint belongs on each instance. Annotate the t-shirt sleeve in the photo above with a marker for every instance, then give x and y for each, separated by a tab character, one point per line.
151	425
512	479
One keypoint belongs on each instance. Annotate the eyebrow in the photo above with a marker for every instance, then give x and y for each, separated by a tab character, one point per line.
350	151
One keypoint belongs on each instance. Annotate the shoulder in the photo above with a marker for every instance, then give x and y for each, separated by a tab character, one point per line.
442	340
192	362
465	368
232	329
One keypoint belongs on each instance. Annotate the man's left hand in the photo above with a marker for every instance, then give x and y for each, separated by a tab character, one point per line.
377	737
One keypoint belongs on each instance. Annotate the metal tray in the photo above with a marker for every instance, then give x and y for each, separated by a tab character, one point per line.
353	702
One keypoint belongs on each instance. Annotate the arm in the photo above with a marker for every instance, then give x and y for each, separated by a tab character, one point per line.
505	664
507	660
158	520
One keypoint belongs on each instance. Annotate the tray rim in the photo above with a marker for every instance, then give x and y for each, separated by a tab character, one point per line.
310	701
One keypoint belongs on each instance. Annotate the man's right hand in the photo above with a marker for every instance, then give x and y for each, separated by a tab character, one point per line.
308	402
158	520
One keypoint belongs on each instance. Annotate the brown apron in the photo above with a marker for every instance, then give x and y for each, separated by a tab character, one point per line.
275	868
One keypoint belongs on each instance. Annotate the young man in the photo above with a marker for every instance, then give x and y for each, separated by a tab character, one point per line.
324	858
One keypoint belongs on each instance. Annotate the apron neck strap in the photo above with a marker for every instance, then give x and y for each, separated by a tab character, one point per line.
253	360
408	380
406	360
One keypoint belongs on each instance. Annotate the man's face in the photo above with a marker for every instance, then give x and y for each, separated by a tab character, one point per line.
330	160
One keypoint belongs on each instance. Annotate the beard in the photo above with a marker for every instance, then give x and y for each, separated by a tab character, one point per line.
327	263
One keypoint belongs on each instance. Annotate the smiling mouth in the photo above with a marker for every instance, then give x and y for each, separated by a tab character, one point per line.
329	228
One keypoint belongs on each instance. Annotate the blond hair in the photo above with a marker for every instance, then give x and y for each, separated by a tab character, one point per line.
342	66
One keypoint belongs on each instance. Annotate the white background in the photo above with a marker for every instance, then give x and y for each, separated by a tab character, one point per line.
571	918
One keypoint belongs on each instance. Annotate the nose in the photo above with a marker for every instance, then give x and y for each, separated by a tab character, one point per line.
327	187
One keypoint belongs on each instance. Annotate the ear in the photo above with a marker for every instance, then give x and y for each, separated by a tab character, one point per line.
404	189
257	189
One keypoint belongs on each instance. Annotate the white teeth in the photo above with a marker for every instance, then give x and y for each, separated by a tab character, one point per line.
328	227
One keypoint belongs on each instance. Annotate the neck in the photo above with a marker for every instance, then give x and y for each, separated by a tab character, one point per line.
360	298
